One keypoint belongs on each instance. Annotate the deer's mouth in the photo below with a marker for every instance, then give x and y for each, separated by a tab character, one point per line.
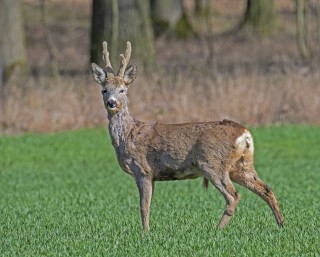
112	104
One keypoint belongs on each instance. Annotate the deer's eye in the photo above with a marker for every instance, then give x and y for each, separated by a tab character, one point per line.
104	91
121	91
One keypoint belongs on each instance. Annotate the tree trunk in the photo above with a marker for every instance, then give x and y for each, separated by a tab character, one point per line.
99	18
169	16
261	16
201	7
301	30
168	11
118	22
54	67
12	44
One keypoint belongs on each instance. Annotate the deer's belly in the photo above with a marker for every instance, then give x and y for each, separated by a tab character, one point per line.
180	174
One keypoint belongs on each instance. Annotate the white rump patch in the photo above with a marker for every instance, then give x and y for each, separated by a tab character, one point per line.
245	142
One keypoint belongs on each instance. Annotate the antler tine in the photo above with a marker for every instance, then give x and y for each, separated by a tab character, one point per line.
124	60
106	59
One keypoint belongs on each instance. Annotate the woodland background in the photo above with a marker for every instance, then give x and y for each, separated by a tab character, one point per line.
253	61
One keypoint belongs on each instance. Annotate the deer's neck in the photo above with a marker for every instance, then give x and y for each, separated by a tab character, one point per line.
120	126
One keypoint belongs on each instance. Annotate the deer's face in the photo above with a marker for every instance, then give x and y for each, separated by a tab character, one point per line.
114	97
114	88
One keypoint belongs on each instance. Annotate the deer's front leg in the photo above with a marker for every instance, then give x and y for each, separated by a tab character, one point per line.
145	186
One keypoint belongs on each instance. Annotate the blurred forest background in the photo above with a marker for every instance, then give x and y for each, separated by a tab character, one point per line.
253	61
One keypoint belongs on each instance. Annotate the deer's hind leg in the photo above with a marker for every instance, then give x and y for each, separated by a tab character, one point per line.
249	179
222	182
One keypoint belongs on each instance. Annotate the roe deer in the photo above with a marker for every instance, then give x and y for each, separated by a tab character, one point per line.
218	151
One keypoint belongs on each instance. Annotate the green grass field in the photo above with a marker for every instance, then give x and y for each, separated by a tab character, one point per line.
64	194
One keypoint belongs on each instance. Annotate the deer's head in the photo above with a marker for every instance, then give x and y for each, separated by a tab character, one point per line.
114	86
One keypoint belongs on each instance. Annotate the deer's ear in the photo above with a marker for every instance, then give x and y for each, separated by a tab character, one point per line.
99	74
130	74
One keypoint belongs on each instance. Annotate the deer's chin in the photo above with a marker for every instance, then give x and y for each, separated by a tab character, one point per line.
114	110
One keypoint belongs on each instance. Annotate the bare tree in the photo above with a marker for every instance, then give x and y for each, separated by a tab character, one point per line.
169	17
302	36
54	67
318	21
12	41
201	7
261	16
118	21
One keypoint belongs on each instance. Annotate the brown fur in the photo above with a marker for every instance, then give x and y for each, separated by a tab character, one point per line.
218	151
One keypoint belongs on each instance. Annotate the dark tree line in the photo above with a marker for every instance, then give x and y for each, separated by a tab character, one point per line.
137	21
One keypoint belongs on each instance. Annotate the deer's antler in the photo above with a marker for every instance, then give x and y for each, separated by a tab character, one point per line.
106	59
124	60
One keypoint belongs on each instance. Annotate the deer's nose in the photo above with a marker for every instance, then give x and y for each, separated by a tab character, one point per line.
112	103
